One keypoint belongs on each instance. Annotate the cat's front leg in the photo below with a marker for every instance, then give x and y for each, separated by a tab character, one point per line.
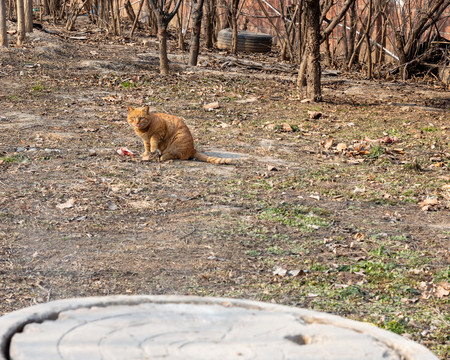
154	142
146	154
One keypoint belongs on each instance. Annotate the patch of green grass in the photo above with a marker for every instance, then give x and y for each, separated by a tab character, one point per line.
397	326
429	128
376	151
275	250
393	132
253	253
398	238
306	219
318	267
442	275
128	84
351	291
38	87
20	159
375	269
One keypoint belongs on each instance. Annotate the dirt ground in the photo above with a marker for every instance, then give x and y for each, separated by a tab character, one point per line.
347	213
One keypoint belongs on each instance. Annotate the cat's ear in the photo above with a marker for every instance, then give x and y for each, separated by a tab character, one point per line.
146	109
130	109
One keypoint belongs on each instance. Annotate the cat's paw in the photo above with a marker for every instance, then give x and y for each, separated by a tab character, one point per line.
157	152
145	157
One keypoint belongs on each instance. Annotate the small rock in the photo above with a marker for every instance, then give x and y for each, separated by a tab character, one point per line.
92	152
148	42
286	127
279	271
314	114
271	168
245	101
67	205
111	206
270	126
341	147
211	106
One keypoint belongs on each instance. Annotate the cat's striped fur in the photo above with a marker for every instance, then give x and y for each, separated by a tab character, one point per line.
167	135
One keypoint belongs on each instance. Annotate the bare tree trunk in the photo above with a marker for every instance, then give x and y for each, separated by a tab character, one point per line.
209	23
345	38
368	45
3	33
28	15
329	61
117	17
163	17
197	14
113	16
180	28
313	74
46	7
163	59
301	33
378	29
20	22
136	20
129	10
352	32
234	27
152	21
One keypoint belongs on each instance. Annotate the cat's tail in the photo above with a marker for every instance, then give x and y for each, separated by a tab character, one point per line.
211	159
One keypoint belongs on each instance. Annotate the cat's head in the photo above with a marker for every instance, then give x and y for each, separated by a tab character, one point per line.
137	117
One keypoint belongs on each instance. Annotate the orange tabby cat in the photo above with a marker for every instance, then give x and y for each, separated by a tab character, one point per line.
166	134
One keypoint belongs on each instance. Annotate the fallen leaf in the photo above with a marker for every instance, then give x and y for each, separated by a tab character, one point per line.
316	197
386	140
360	149
356	161
246	101
286	127
328	143
442	289
269	126
428	204
314	114
211	106
359	236
439	164
271	168
399	151
67	205
341	147
279	271
358	190
111	98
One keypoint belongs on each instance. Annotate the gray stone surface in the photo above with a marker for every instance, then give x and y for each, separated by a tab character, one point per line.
173	327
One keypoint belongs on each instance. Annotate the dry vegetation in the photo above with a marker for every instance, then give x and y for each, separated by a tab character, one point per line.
314	213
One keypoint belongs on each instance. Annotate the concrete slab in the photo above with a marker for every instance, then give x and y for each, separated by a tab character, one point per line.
183	327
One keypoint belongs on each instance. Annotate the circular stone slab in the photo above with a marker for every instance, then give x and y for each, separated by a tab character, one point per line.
181	327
